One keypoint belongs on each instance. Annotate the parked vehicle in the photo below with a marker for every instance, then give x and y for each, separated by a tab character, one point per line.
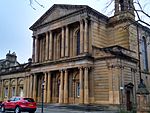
18	105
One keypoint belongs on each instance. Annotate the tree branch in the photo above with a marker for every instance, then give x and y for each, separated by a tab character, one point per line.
31	2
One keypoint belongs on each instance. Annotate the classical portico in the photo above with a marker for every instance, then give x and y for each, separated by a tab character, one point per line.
62	42
57	84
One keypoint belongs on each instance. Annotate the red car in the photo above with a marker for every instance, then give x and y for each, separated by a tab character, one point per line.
19	104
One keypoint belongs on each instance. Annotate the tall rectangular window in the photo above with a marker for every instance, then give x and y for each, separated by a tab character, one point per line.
6	92
13	91
144	53
78	89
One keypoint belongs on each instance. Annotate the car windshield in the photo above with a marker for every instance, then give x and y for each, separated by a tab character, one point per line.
29	99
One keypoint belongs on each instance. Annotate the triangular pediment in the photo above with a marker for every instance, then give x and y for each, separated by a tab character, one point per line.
55	12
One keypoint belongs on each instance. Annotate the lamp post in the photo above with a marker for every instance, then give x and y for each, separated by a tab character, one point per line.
42	96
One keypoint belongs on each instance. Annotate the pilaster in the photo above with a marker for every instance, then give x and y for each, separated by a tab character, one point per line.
45	87
49	90
86	36
86	86
36	49
2	90
81	37
62	42
67	42
61	95
34	86
16	87
66	87
50	45
81	86
31	86
33	50
47	47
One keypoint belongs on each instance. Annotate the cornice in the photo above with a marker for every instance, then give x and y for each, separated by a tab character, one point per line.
64	60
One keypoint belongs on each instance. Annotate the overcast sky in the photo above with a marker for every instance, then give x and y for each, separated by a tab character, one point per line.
16	16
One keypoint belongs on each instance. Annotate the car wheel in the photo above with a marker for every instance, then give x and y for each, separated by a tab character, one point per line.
2	109
17	110
32	112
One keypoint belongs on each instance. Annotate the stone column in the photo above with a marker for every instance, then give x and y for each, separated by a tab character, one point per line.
86	86
46	49
31	86
2	90
81	37
39	89
34	86
45	87
33	49
43	49
9	88
25	86
61	88
66	87
36	49
16	88
86	36
49	90
62	42
67	42
81	86
50	45
55	48
28	82
40	50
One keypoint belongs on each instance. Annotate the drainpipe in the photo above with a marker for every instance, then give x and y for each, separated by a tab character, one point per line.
139	65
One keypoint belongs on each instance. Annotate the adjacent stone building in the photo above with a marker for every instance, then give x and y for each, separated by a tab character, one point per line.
12	75
85	57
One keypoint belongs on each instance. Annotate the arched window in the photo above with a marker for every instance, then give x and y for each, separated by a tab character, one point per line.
77	89
144	53
78	42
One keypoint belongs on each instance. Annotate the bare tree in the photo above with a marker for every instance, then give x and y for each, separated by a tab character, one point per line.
139	9
32	1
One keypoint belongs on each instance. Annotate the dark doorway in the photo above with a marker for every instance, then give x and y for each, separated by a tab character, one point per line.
129	103
129	95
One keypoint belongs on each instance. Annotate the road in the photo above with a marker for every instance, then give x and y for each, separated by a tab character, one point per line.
57	110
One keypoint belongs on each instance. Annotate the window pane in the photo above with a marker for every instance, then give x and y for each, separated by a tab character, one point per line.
29	99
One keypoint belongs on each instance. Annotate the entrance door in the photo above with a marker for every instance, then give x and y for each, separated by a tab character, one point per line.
129	103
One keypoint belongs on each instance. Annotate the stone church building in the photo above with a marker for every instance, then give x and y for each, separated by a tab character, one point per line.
84	57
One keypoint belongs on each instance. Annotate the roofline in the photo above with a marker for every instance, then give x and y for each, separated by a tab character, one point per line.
84	7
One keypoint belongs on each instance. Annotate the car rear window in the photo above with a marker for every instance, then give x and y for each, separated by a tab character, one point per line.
29	99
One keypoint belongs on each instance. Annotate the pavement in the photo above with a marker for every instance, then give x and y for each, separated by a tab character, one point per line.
57	108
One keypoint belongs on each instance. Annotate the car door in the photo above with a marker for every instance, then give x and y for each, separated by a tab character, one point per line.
9	102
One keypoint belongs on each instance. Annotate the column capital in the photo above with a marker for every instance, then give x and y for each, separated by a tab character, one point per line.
81	21
46	32
61	70
50	31
66	70
86	19
63	27
34	37
81	67
87	67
